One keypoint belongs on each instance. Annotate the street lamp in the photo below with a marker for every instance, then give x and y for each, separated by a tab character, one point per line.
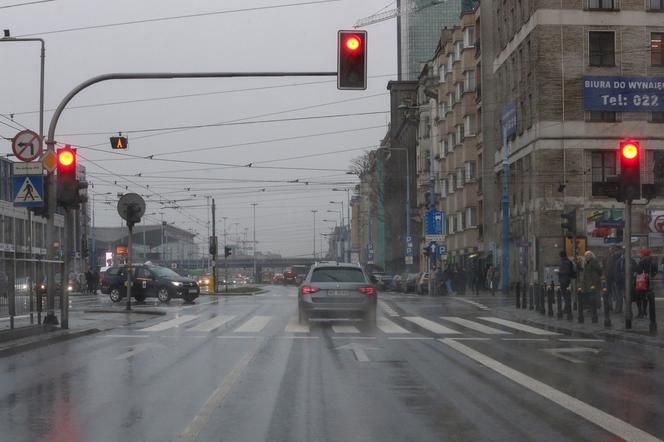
347	190
314	212
336	233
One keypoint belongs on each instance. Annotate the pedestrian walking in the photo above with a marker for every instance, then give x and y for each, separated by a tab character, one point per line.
566	272
440	281
449	278
89	281
646	269
610	263
591	283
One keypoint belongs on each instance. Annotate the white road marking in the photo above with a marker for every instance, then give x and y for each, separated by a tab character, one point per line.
432	326
175	322
345	329
236	337
212	324
389	327
581	340
524	339
521	327
468	301
411	338
475	326
139	348
598	417
294	326
389	311
124	336
254	325
562	353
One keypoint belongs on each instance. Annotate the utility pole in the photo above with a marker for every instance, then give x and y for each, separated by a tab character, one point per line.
213	249
225	257
255	275
314	212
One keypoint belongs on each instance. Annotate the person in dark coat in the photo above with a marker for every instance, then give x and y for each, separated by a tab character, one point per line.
566	273
646	269
591	283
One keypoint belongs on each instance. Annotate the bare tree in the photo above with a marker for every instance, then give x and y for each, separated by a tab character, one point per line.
362	164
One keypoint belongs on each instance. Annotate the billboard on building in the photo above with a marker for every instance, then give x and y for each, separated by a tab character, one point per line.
623	94
604	227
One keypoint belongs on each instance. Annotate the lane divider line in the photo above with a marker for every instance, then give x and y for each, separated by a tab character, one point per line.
598	417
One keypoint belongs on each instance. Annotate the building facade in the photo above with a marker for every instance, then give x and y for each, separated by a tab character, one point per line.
540	59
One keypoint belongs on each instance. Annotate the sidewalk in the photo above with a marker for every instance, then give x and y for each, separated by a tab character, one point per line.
617	332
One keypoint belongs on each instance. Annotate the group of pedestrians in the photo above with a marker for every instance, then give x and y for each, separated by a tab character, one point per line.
591	275
91	280
470	276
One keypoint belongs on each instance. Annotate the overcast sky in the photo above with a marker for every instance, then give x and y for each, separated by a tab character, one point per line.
294	38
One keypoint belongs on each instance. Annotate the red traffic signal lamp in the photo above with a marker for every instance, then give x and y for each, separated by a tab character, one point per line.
67	182
352	60
66	159
630	170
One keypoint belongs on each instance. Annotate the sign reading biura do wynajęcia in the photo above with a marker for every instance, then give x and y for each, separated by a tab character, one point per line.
623	94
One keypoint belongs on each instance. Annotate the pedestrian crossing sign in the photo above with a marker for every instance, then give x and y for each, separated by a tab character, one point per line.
28	190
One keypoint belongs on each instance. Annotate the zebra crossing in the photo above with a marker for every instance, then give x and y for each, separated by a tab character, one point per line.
452	326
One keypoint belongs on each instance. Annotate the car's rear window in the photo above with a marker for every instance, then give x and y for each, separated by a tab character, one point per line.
337	274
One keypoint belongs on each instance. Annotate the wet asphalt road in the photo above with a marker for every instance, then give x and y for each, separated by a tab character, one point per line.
242	369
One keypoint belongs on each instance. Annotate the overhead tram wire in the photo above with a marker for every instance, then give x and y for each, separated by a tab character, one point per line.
25	4
177	17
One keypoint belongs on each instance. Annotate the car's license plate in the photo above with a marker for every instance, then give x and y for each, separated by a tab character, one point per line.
192	290
338	292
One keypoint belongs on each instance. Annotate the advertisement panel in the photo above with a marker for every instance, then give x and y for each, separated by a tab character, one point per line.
604	227
623	94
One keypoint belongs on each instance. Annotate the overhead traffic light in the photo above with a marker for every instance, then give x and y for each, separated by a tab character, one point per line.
569	221
630	170
227	251
67	183
352	60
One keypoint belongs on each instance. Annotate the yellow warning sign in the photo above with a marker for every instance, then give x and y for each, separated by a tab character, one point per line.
119	142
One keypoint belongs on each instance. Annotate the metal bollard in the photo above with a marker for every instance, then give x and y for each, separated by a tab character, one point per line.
531	297
518	294
541	296
579	303
559	303
607	305
652	315
549	299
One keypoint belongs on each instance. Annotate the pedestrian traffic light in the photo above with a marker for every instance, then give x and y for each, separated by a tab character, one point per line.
630	170
67	183
352	60
569	221
227	251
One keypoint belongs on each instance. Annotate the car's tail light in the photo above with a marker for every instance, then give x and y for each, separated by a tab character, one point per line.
308	290
368	290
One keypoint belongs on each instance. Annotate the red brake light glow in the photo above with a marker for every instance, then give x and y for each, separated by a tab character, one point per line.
368	290
353	43
308	290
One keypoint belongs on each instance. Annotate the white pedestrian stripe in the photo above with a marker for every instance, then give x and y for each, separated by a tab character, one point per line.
254	325
294	326
520	327
212	324
345	329
475	326
389	327
431	326
175	322
389	311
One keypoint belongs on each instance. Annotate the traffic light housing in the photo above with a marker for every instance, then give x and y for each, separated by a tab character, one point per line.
67	183
352	60
569	221
227	251
630	170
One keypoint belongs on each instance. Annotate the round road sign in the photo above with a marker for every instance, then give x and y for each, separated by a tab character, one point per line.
659	224
27	145
136	202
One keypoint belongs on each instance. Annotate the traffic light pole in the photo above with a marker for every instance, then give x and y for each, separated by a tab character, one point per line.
214	248
627	241
51	196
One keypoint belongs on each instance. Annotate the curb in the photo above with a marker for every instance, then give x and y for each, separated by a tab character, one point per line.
16	348
140	312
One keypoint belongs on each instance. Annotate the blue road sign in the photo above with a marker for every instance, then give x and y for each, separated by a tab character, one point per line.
409	251
28	190
442	250
434	222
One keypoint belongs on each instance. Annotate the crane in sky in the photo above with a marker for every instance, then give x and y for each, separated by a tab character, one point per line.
393	13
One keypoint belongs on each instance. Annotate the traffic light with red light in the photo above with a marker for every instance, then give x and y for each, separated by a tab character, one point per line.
352	60
67	182
630	170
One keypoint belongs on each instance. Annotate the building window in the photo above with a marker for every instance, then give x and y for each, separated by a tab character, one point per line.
451	141
603	165
471	171
600	4
450	224
656	5
460	221
450	60
460	177
469	80
426	129
453	183
457	51
469	37
442	111
657	117
470	125
656	49
602	48
458	90
443	188
441	74
602	117
471	217
460	135
450	101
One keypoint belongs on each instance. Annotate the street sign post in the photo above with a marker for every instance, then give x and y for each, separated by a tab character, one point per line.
28	190
27	145
49	161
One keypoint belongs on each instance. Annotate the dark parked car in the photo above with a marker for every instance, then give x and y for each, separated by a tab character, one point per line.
148	281
334	290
